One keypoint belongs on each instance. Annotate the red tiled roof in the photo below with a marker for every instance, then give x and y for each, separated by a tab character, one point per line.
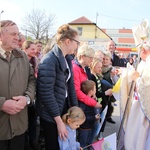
81	20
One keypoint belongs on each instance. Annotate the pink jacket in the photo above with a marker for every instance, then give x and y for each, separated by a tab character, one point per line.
79	76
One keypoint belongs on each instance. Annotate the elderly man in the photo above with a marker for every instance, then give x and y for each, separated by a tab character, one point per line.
17	88
137	135
111	47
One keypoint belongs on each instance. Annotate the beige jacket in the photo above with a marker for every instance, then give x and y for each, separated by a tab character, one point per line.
16	78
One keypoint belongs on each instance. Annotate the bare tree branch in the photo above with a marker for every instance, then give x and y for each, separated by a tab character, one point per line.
37	24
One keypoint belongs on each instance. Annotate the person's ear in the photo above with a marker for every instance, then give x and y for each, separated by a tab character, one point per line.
91	92
143	50
25	49
67	41
68	120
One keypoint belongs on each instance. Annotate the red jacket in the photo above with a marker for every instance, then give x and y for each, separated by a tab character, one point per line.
80	76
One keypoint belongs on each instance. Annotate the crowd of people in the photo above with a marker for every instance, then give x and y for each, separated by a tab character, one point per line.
65	87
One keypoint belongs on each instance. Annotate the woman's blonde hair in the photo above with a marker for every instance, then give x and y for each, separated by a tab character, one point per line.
75	114
65	32
85	50
49	45
27	44
94	62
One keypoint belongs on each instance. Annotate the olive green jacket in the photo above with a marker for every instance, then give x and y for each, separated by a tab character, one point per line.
16	78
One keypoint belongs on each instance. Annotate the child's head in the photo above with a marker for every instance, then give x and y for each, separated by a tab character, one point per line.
74	118
96	66
88	87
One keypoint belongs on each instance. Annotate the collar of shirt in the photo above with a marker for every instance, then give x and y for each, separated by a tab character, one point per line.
2	52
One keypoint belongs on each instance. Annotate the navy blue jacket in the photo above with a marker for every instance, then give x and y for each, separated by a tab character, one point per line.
51	85
115	60
90	116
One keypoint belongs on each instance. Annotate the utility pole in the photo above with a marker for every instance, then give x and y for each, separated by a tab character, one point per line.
1	18
96	26
1	14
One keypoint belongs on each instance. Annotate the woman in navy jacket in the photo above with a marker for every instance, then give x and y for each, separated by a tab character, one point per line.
55	86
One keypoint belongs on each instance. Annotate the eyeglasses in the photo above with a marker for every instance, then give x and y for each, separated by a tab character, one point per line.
88	56
78	43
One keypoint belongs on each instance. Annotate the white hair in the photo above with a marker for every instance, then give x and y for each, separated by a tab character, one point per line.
107	53
85	50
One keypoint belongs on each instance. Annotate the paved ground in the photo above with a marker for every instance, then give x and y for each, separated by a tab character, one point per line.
112	128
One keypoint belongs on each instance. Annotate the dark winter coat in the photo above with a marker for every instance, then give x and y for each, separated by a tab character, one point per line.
52	86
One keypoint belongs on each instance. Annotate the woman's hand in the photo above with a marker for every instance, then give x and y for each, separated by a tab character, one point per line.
62	131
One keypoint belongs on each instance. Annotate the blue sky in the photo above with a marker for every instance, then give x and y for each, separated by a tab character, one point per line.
113	14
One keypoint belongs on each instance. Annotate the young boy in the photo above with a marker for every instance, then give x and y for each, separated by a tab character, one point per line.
88	87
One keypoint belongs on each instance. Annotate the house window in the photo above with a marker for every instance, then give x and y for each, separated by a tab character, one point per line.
80	30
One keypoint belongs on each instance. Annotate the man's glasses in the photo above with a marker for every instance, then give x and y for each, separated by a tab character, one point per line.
78	43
